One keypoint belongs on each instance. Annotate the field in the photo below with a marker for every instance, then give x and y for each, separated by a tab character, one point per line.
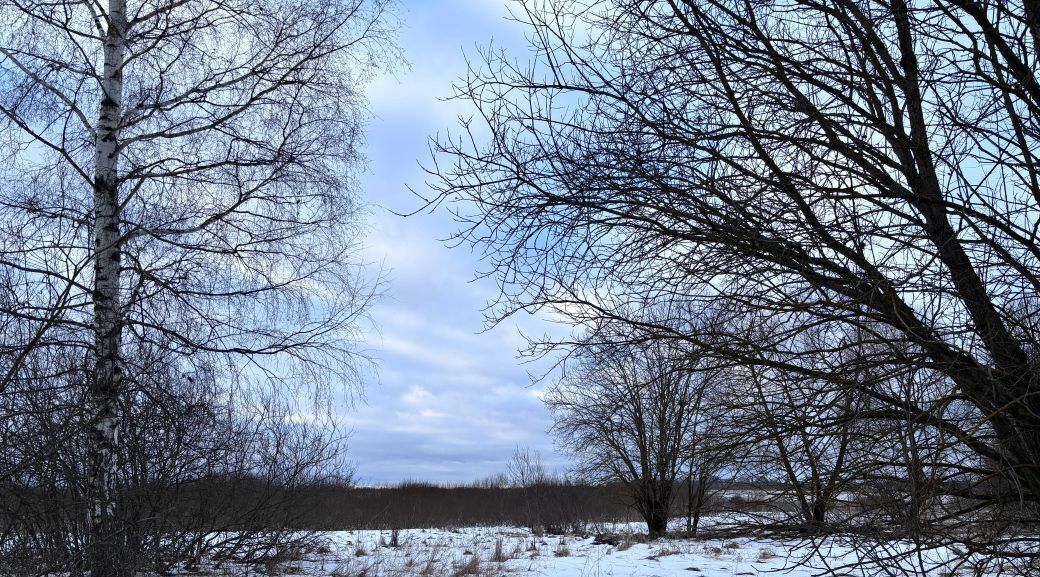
509	551
481	551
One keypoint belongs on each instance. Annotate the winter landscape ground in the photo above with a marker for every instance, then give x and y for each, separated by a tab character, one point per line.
513	551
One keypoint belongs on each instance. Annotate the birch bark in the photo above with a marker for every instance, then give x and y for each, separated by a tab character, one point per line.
104	558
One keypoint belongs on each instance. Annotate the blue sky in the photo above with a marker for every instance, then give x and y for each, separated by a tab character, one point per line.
451	401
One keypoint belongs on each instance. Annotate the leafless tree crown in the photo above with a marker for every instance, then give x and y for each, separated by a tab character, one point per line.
861	170
178	189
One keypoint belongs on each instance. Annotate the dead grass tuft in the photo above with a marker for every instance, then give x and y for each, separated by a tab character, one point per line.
430	565
663	552
499	555
627	539
470	565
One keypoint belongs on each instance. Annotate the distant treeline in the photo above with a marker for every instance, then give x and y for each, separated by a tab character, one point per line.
555	507
237	504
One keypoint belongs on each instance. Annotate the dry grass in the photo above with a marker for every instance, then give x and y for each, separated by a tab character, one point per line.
356	569
499	555
561	549
715	552
285	560
627	539
766	554
664	552
432	561
468	565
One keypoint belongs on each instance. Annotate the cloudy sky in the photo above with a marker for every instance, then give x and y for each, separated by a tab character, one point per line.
451	401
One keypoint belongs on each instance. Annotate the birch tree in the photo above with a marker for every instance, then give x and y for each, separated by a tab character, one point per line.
181	174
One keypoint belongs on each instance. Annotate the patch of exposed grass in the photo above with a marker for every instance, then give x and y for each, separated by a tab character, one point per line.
499	555
663	552
766	554
469	565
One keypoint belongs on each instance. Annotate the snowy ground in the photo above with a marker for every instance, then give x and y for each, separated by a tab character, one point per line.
507	552
482	551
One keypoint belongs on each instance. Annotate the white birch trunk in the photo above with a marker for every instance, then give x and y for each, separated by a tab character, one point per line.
104	558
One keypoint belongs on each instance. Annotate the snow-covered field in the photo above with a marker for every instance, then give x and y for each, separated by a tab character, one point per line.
485	551
506	552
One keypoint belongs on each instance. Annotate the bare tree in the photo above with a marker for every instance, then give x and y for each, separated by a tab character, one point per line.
800	459
866	163
180	177
204	472
526	468
630	414
714	454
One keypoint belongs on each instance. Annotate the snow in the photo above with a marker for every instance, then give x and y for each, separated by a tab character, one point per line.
471	551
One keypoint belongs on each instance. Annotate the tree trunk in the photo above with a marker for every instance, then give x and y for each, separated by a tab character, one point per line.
697	507
656	517
105	558
654	505
696	522
815	516
690	525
